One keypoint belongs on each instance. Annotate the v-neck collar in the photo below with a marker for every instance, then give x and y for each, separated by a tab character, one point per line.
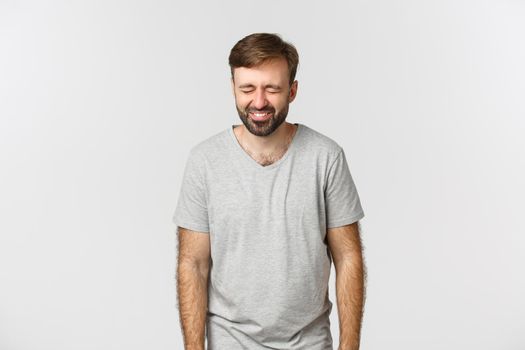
249	159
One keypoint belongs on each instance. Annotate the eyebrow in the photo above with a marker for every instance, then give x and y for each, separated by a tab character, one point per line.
271	86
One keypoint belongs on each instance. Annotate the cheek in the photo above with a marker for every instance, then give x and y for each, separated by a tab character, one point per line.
279	102
241	102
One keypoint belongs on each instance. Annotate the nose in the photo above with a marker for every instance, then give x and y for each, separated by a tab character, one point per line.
259	100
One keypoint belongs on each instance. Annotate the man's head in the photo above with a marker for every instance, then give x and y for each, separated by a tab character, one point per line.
263	69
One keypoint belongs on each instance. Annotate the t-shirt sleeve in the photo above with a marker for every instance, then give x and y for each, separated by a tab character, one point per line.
342	202
192	211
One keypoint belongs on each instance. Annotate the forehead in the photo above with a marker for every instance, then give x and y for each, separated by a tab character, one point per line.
271	71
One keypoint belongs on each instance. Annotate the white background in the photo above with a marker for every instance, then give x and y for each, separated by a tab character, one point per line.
100	102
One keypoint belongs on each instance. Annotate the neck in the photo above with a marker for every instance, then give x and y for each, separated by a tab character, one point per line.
278	140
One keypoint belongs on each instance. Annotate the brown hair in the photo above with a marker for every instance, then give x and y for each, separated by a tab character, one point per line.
257	48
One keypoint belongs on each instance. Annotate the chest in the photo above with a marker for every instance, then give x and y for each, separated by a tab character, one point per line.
285	194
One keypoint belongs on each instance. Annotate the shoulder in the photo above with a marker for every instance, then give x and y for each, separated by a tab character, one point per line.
211	147
318	143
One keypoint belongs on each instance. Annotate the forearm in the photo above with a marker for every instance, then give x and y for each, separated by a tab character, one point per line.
350	290
192	290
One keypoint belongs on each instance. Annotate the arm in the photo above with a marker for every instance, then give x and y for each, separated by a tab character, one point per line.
192	286
345	247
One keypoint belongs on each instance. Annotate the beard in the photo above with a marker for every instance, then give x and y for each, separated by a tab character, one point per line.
263	128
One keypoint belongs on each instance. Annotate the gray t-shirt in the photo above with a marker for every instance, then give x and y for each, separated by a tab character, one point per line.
270	263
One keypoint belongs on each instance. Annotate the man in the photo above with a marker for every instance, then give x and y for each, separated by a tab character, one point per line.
263	209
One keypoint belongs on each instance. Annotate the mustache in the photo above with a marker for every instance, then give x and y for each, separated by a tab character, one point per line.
265	110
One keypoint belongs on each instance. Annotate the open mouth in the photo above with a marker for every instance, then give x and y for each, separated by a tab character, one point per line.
260	116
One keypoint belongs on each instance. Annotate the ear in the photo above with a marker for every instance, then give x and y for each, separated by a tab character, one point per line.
233	86
293	91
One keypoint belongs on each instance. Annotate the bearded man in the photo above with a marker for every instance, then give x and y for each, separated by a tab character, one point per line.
264	208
